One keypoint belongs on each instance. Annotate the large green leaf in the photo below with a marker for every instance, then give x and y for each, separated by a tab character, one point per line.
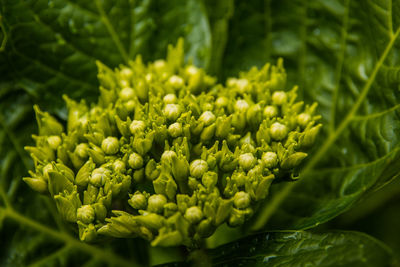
344	55
53	45
298	249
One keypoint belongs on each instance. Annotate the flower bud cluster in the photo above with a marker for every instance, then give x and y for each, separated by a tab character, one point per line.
168	155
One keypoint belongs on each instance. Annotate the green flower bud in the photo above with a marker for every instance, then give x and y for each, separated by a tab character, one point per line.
270	111
59	183
47	124
176	82
143	143
241	200
198	167
67	205
223	126
168	156
99	176
269	159
159	65
241	105
242	85
205	228
309	136
207	118
247	161
254	115
170	209
37	184
156	203
138	175
151	170
110	145
97	155
119	166
81	150
138	201
46	169
170	99
209	179
85	214
262	189
303	119
165	185
126	73
82	177
127	94
87	233
293	160
43	154
175	129
279	98
137	126
223	211
196	78
208	133
54	141
222	101
100	211
135	161
180	168
278	131
193	214
172	111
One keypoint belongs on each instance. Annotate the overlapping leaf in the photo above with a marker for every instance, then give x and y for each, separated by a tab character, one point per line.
298	249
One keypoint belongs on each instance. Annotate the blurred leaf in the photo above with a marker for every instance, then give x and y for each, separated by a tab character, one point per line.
53	45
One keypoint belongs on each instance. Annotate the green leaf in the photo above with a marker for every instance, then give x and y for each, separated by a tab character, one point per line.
53	45
297	249
303	249
343	54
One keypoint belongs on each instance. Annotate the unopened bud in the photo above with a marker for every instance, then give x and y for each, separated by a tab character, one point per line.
247	161
135	161
175	81
278	131
303	119
85	214
207	118
137	126
99	176
170	99
241	200
110	145
279	98
241	105
81	150
193	214
127	94
175	129
138	201
270	111
156	203
198	167
172	111
270	159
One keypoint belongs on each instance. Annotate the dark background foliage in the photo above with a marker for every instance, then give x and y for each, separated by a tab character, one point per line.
343	54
